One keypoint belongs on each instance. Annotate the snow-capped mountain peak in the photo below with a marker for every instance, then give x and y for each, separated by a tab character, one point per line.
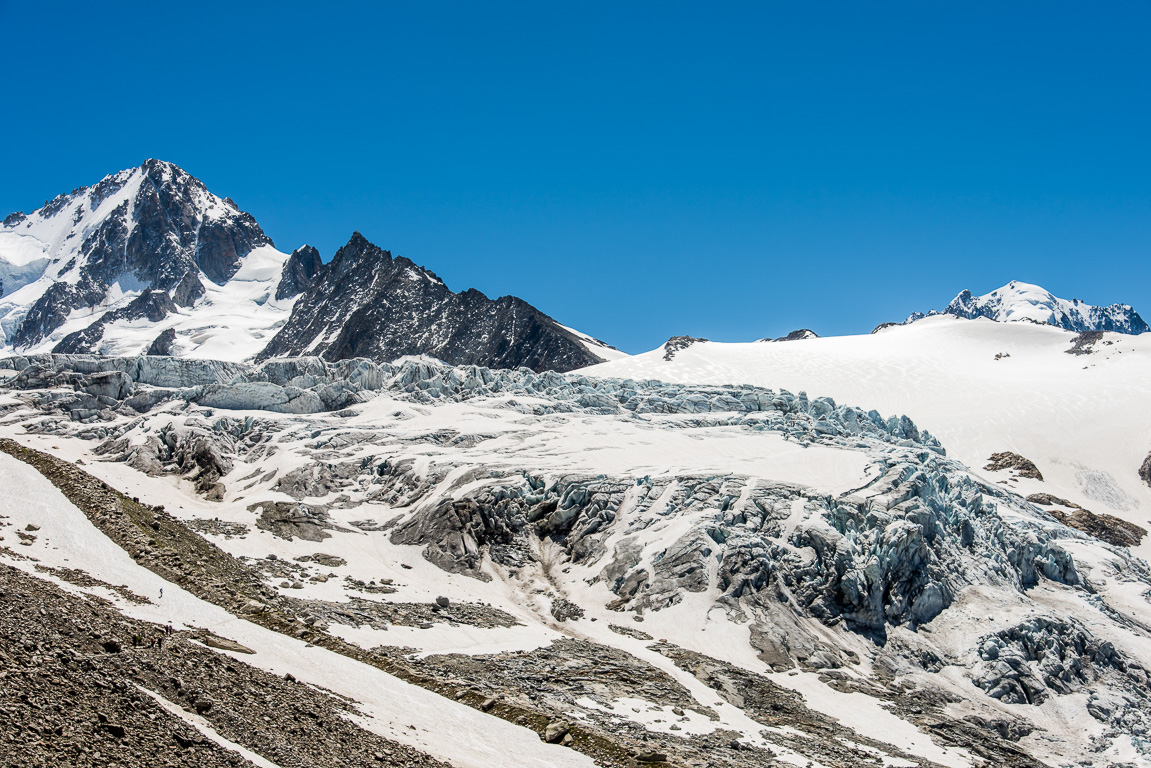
1018	301
71	269
149	261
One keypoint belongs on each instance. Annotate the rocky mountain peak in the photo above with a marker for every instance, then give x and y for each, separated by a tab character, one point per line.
360	244
358	252
74	274
367	303
152	227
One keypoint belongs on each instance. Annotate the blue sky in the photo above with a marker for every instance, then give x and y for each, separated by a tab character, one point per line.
636	170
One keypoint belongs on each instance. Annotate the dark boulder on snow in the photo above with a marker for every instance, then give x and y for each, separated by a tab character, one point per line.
678	344
799	335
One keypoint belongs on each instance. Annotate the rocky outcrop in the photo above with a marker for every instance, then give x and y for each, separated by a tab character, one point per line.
1084	342
1018	465
1145	470
1108	528
150	305
799	335
293	521
300	272
366	303
678	344
163	345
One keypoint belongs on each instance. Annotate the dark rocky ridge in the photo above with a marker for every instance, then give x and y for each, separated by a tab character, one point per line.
162	345
797	335
371	304
678	344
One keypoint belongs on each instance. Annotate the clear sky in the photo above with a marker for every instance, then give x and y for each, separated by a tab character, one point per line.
636	170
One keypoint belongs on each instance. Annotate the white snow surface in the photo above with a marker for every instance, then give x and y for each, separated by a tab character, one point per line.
979	386
598	348
569	443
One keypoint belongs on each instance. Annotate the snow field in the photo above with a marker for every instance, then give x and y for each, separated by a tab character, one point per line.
1083	419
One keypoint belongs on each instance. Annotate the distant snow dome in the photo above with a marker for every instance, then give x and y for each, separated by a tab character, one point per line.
1026	302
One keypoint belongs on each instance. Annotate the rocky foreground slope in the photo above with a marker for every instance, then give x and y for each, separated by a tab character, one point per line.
660	571
86	686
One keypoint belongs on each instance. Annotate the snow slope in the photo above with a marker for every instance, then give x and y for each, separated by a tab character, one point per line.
980	386
598	348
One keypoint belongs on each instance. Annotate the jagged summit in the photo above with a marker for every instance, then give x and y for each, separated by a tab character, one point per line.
1019	301
148	259
369	303
73	265
301	270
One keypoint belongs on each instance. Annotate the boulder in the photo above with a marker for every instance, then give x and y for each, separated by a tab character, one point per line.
555	732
